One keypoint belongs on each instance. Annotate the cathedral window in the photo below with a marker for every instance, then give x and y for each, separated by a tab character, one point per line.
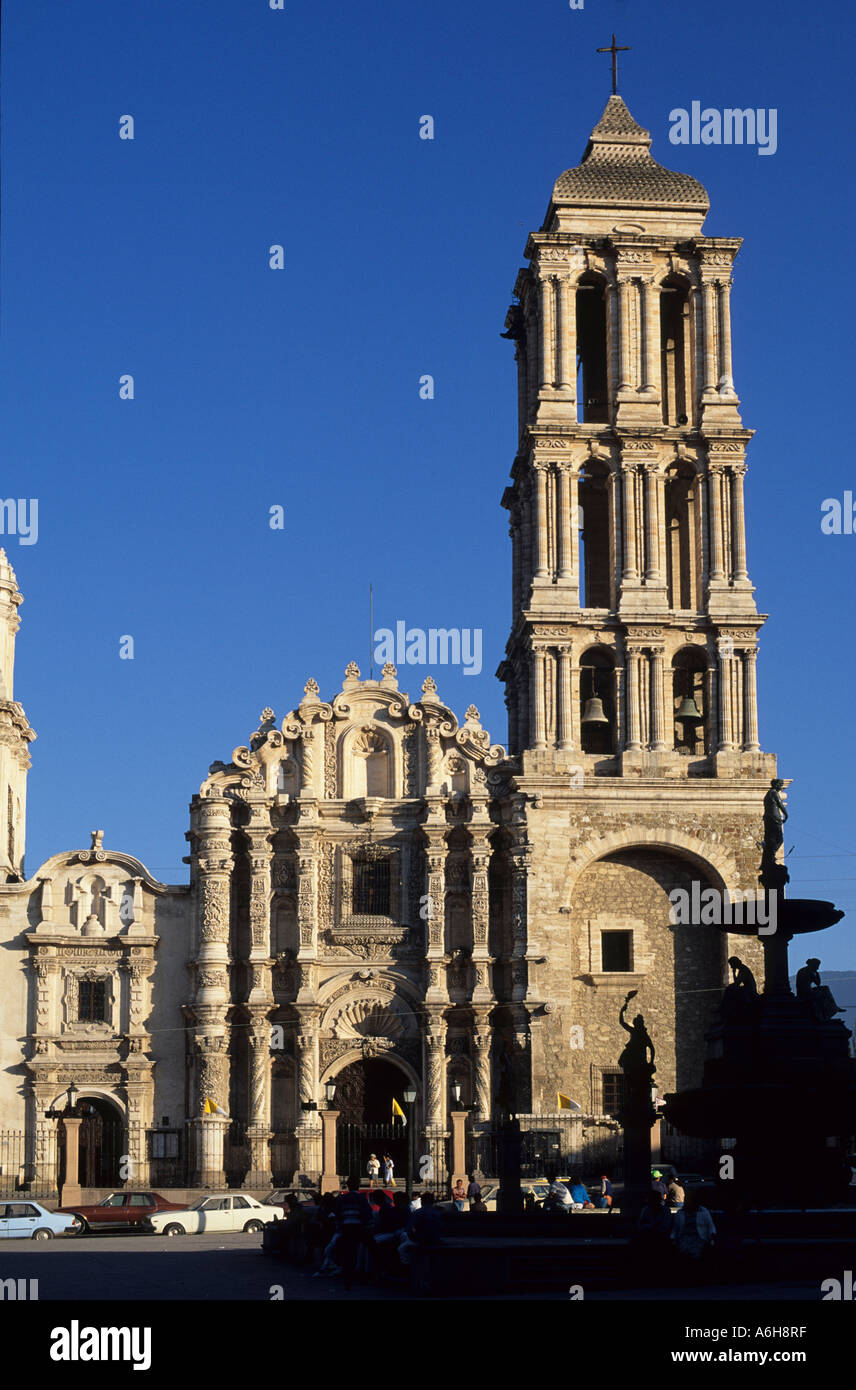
371	886
92	1001
591	351
616	951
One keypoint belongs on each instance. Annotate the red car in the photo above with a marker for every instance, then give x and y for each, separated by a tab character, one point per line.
120	1211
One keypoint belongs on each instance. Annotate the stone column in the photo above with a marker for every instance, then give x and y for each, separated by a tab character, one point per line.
631	566
725	648
459	1146
308	1130
658	742
710	313
565	729
211	1002
567	523
541	561
726	380
738	524
634	739
329	1177
259	1128
70	1193
567	337
714	486
750	701
307	891
435	1069
539	713
481	1061
651	372
547	334
625	337
652	529
435	887
480	853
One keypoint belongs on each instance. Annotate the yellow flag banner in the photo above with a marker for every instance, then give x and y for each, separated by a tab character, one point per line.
397	1112
564	1102
212	1108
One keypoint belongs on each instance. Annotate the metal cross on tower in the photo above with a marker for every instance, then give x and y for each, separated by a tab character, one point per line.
614	51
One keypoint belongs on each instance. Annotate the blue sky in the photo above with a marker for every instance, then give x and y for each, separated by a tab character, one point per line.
300	388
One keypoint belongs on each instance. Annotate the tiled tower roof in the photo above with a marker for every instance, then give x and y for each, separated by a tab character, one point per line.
617	168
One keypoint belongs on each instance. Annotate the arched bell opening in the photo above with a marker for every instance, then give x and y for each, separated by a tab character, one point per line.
593	526
597	702
689	702
682	567
675	361
592	378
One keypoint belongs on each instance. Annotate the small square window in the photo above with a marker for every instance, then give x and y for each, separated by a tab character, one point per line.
91	1001
616	951
612	1083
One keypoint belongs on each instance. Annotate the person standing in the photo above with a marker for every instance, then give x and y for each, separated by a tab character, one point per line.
675	1194
473	1190
373	1169
353	1221
388	1171
693	1230
459	1195
657	1184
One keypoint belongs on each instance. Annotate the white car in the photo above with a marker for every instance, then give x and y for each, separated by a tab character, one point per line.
32	1221
233	1211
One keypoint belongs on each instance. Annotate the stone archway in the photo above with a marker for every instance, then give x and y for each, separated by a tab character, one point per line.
100	1143
365	1089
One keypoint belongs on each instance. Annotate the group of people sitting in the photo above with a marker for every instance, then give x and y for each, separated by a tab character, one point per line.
359	1233
673	1221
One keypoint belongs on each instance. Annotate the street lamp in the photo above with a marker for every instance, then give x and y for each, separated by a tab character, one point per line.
456	1094
330	1092
72	1094
409	1098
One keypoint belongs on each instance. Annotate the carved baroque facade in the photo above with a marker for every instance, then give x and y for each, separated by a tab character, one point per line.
369	877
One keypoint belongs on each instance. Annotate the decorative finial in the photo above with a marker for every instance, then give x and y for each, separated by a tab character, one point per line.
97	839
429	686
311	687
352	671
389	671
472	715
267	715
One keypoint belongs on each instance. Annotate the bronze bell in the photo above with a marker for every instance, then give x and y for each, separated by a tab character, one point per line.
689	711
593	712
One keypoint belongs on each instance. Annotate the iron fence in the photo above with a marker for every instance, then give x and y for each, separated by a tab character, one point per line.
24	1167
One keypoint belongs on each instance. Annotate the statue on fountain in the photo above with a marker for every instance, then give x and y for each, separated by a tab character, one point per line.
773	874
741	996
812	992
637	1066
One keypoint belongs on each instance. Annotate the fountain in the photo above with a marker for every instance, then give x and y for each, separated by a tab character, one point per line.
778	1077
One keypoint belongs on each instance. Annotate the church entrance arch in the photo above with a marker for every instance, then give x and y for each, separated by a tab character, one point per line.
365	1090
99	1145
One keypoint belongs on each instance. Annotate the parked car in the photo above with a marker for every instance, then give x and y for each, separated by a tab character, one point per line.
277	1197
120	1211
233	1211
32	1221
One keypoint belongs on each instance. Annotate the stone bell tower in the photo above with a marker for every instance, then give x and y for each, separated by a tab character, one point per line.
15	734
630	670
